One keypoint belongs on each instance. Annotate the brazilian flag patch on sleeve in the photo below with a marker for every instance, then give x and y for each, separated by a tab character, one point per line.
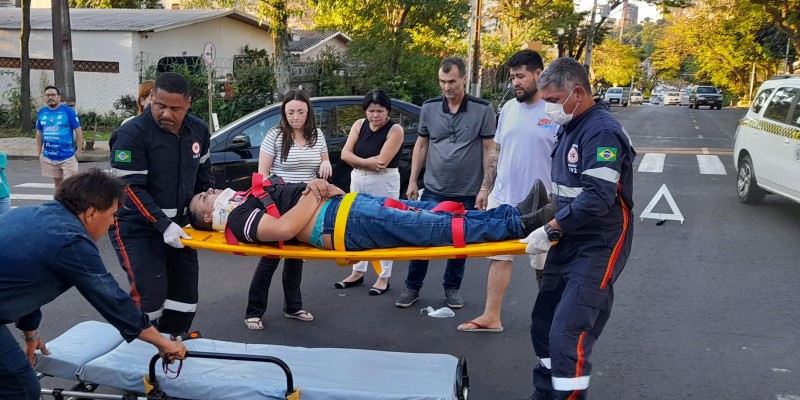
124	156
607	154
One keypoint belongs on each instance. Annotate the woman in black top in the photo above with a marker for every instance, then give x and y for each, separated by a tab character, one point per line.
373	149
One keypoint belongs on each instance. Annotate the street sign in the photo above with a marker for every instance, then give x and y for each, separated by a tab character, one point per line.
209	53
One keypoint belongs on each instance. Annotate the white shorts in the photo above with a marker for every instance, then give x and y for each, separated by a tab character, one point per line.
58	169
536	260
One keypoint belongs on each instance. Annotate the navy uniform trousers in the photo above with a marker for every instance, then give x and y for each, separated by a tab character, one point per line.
574	304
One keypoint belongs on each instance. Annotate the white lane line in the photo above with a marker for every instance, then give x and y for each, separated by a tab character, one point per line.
699	136
36	185
787	397
696	127
781	370
21	196
652	162
710	165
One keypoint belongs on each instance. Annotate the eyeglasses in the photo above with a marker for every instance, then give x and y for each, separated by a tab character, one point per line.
51	95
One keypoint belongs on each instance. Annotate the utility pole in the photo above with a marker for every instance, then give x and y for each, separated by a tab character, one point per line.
786	68
474	59
62	51
622	20
587	61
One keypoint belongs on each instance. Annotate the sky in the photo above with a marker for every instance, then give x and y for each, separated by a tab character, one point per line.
645	9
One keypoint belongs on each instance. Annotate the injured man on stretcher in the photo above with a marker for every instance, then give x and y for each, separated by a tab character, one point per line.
309	213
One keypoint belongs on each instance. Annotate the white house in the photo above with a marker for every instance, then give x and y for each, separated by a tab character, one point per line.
113	49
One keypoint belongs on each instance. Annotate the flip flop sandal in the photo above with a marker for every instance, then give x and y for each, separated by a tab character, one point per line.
301	315
479	328
254	324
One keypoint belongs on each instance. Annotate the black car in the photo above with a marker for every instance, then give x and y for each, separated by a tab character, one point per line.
705	96
235	148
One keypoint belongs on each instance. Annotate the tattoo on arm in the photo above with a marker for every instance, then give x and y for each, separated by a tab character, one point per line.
491	171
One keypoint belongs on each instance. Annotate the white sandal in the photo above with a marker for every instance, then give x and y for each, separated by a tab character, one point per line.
254	324
302	315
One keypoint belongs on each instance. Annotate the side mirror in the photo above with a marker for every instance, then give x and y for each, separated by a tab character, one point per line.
240	141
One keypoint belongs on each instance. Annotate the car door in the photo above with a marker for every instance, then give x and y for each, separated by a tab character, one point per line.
772	147
242	146
789	154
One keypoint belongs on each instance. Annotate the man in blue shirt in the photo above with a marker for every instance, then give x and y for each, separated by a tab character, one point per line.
48	249
59	138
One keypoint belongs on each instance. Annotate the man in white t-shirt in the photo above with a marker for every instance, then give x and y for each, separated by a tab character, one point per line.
524	140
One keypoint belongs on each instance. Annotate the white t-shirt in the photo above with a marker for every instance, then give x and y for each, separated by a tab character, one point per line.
526	138
301	164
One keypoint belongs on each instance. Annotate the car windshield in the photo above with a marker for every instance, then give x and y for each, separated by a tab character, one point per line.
673	94
614	90
635	94
707	90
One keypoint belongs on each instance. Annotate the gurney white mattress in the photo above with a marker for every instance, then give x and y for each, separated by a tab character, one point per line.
94	352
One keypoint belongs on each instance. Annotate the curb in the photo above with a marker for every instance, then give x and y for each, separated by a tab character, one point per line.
82	159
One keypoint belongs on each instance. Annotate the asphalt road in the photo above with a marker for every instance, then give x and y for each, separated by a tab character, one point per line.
705	309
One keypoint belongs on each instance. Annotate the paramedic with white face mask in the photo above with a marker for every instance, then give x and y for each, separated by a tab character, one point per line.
592	188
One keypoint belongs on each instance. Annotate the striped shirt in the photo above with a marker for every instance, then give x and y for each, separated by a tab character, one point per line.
301	164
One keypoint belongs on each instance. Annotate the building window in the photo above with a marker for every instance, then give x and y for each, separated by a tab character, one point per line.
77	65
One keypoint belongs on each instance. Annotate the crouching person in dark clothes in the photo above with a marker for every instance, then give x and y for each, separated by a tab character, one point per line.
46	250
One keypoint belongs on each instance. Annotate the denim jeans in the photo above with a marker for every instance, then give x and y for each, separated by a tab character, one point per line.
5	204
17	378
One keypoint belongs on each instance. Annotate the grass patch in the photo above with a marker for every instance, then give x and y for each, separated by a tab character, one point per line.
99	136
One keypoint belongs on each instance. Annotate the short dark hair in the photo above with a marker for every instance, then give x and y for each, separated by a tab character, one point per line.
93	188
172	82
378	97
565	73
530	59
448	63
48	87
197	221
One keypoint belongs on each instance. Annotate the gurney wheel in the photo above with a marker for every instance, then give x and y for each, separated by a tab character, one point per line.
462	379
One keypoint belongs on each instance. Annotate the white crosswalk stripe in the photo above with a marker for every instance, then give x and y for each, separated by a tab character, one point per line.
653	162
710	165
31	193
707	164
36	185
23	196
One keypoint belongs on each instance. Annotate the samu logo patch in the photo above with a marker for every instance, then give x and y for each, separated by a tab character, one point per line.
123	156
606	154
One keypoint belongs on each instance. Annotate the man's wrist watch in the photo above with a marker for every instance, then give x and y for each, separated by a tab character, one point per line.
552	234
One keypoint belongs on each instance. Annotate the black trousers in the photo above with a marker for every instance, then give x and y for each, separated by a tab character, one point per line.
262	278
163	279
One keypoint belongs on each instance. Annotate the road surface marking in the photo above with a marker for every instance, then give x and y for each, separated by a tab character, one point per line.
699	136
676	213
787	397
36	185
696	127
652	162
20	196
685	150
710	165
781	370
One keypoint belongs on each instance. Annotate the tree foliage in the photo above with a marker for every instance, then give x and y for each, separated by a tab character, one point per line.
615	64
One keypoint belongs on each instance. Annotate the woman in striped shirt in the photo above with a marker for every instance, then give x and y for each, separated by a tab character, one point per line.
296	151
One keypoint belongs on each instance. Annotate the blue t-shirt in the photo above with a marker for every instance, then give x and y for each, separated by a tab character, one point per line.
4	188
57	128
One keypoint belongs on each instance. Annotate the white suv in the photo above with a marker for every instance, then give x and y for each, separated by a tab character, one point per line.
766	149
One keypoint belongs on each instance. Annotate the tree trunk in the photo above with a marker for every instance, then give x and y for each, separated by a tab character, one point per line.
282	64
25	123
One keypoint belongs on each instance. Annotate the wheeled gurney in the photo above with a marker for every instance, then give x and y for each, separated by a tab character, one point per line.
94	353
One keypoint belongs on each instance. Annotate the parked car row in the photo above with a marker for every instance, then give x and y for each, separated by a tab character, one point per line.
235	147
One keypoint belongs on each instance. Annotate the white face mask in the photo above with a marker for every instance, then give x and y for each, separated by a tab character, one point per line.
555	111
223	205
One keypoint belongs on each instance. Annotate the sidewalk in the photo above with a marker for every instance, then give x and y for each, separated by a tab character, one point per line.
24	148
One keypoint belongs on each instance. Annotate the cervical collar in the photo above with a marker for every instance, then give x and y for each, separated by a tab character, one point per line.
223	205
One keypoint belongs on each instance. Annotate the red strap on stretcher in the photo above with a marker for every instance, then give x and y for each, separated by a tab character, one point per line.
257	189
455	208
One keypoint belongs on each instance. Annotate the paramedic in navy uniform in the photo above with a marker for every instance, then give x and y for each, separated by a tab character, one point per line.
592	188
48	249
162	156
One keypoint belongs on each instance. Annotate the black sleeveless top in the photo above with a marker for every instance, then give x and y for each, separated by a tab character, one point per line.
369	143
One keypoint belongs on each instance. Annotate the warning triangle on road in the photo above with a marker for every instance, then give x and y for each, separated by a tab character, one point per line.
662	192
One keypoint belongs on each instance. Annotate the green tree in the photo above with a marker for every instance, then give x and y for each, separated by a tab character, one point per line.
785	14
615	64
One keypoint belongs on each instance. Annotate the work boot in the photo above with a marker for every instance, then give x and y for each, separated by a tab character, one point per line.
536	199
534	220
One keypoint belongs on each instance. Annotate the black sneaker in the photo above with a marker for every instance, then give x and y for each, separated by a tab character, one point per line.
534	220
407	298
454	299
535	200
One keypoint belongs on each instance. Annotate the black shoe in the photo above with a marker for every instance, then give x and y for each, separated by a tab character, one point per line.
536	199
373	291
345	285
534	220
